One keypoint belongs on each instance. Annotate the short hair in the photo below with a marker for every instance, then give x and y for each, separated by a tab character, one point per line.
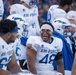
65	2
48	24
7	25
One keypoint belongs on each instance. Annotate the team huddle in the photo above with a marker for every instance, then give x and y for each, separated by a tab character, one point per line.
30	48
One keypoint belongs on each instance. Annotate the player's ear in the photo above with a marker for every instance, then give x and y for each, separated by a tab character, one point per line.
8	34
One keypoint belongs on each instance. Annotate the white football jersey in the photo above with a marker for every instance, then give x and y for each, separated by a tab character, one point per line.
45	52
50	13
1	9
57	13
6	52
30	15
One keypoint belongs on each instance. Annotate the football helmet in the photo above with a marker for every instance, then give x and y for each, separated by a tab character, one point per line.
20	20
62	25
71	15
30	2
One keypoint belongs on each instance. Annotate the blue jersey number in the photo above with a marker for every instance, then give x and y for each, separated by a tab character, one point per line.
18	50
6	61
49	17
47	59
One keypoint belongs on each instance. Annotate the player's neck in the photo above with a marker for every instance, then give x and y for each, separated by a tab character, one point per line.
26	5
62	8
4	37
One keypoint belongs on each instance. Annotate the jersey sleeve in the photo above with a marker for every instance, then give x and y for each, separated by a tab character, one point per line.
14	9
32	41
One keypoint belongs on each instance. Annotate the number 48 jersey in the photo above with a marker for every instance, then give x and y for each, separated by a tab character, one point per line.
45	52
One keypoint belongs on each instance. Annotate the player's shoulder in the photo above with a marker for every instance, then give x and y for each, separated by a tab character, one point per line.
52	7
59	10
57	39
34	37
16	5
59	13
2	42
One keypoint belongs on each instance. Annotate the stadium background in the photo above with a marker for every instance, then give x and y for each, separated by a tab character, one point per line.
43	6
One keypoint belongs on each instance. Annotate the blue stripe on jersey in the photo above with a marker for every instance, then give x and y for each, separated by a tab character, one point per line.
0	15
2	65
23	41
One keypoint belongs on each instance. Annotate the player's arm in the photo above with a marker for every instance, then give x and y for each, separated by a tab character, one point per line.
13	66
37	27
3	72
31	58
74	66
59	62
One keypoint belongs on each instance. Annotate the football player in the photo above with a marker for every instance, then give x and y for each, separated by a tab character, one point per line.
62	30
8	34
29	10
43	50
59	10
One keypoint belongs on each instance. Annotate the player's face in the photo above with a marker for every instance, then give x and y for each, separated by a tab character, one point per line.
12	37
45	35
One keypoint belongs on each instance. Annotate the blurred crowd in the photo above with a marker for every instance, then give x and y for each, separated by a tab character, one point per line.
43	6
